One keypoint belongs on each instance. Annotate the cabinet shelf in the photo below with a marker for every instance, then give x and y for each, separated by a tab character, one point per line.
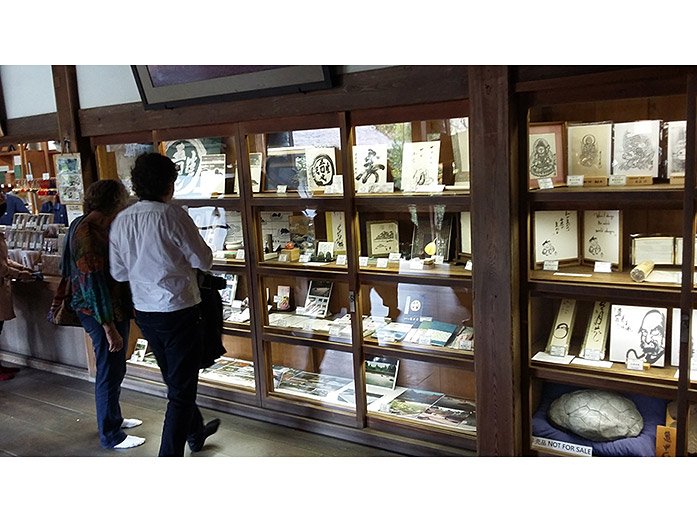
625	197
440	275
294	202
423	202
463	359
330	271
232	203
312	339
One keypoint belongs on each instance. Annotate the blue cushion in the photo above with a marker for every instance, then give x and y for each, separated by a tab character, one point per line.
653	411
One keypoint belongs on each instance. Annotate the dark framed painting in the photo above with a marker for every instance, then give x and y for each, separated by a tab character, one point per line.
168	86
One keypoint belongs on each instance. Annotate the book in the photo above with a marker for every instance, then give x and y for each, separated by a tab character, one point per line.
381	371
441	333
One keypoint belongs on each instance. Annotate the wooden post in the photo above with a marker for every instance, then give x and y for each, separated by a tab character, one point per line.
495	260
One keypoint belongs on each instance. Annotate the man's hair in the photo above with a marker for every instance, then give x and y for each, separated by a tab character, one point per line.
152	176
106	196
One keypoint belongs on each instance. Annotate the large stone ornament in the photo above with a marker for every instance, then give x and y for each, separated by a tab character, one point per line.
596	415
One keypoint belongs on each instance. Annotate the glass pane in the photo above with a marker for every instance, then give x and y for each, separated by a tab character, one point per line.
122	157
428	240
235	298
296	163
207	166
317	375
435	318
424	394
307	308
423	156
235	367
306	238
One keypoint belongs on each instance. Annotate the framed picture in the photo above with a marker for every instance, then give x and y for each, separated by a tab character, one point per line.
321	168
420	165
369	166
428	230
555	237
69	178
546	154
336	230
636	146
677	141
602	237
212	174
167	86
383	237
590	149
638	333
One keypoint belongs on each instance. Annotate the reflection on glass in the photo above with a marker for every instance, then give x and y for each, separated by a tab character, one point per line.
124	157
318	375
415	392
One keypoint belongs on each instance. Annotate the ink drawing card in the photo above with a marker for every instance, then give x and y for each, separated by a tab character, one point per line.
556	236
635	150
590	149
321	168
677	141
369	166
602	234
419	165
546	154
638	333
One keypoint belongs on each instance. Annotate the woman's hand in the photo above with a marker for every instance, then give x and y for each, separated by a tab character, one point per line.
113	337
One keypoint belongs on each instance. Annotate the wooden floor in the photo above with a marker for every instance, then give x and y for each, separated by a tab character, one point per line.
44	414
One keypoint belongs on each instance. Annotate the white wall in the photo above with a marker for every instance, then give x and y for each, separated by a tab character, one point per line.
27	90
100	85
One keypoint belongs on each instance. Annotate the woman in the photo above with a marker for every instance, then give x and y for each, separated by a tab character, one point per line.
8	270
103	306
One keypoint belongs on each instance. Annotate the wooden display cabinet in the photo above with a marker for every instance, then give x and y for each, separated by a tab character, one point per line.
659	208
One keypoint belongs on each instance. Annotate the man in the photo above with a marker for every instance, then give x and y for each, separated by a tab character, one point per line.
14	205
156	247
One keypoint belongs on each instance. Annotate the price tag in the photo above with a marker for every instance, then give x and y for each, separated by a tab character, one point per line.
341	259
240	254
468	265
574	180
439	259
593	354
281	189
304	258
382	263
556	350
545	183
362	261
416	264
618	179
46	176
602	266
394	256
283	257
635	364
550	265
30	177
276	299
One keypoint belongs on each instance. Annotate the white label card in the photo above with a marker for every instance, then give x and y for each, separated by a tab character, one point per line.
394	256
550	265
468	265
304	258
416	263
283	257
240	254
545	183
341	259
575	180
589	354
439	259
30	177
618	179
281	189
602	267
362	261
556	350
635	364
46	176
382	263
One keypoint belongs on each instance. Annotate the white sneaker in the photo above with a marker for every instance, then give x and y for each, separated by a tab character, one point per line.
130	442
129	423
